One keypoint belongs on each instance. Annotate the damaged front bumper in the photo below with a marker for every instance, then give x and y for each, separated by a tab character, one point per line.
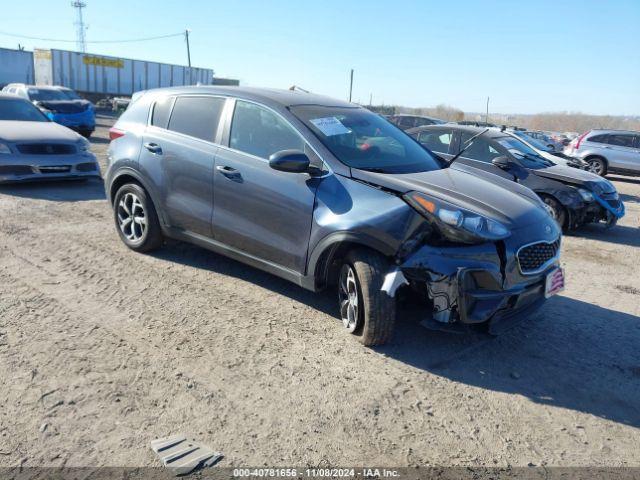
478	284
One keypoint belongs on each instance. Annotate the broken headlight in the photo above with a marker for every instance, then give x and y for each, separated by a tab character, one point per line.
454	223
586	195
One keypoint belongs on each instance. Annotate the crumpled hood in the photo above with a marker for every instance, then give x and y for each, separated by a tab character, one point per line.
36	132
65	106
577	177
469	188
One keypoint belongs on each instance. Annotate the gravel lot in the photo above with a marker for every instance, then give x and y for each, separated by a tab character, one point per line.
103	350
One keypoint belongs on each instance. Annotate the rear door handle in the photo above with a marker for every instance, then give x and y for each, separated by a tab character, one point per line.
153	148
229	172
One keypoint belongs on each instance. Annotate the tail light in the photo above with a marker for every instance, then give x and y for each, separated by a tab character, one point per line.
580	138
115	133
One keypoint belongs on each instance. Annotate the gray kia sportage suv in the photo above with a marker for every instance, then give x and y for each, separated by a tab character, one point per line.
322	192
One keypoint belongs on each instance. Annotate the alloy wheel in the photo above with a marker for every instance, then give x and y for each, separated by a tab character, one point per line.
349	298
596	166
132	219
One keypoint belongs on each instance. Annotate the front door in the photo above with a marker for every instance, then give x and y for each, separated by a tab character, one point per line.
480	155
258	210
625	153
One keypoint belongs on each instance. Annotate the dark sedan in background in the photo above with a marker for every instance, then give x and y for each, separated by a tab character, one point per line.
573	197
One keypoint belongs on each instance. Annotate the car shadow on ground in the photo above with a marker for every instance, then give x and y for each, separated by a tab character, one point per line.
58	191
635	180
620	234
193	256
626	198
571	354
99	140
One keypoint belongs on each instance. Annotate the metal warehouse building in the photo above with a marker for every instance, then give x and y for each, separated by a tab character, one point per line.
99	74
15	66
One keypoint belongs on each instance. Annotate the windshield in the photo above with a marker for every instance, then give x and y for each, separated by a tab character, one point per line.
527	156
20	110
46	94
533	141
361	139
70	94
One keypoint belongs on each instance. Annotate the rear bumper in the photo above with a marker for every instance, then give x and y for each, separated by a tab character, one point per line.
25	168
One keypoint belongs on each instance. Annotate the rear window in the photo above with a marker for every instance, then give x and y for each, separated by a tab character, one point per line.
436	140
161	112
598	139
621	140
197	116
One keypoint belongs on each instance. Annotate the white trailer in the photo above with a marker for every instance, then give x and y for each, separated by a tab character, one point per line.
16	66
100	74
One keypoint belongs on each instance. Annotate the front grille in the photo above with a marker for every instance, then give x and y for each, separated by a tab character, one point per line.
55	169
532	258
86	167
15	170
46	149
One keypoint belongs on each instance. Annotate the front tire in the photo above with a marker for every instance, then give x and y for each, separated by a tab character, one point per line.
556	211
136	219
366	311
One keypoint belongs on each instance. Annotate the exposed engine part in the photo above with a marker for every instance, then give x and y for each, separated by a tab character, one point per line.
444	300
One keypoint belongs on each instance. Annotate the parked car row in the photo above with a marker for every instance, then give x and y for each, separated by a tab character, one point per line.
60	104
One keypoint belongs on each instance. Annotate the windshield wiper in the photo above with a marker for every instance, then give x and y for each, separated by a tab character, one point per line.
467	144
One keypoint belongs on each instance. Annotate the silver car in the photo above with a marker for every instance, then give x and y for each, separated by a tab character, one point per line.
34	148
608	151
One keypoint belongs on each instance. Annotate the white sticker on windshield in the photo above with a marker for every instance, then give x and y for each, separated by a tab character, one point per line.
330	126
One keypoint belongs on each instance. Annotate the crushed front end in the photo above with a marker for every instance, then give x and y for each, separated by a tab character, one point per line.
490	285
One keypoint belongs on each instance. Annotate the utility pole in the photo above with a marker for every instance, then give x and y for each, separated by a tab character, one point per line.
486	119
186	37
351	85
80	28
370	99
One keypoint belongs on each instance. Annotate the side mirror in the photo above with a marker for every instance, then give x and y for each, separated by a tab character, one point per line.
293	161
501	162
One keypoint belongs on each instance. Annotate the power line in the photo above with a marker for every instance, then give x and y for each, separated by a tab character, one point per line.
129	40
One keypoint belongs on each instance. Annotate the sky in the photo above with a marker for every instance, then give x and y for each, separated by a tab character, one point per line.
528	57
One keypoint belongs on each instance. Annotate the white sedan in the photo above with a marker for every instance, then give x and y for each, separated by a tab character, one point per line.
34	148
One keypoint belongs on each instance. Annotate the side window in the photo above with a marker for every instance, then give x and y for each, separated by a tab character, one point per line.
197	116
480	150
621	140
598	139
436	140
260	132
406	122
161	112
423	121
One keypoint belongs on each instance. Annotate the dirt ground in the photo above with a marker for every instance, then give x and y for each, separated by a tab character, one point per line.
103	350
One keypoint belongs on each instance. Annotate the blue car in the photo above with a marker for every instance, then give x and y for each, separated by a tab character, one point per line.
59	104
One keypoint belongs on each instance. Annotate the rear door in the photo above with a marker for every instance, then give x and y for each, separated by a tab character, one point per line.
624	152
179	149
258	210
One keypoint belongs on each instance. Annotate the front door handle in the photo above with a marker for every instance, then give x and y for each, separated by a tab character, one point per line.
229	172
153	148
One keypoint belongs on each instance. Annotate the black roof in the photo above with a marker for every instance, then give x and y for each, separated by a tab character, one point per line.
492	132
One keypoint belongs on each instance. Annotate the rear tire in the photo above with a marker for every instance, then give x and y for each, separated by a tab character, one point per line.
366	311
597	165
136	219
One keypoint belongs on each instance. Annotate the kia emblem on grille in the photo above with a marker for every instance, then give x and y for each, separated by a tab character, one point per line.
547	228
